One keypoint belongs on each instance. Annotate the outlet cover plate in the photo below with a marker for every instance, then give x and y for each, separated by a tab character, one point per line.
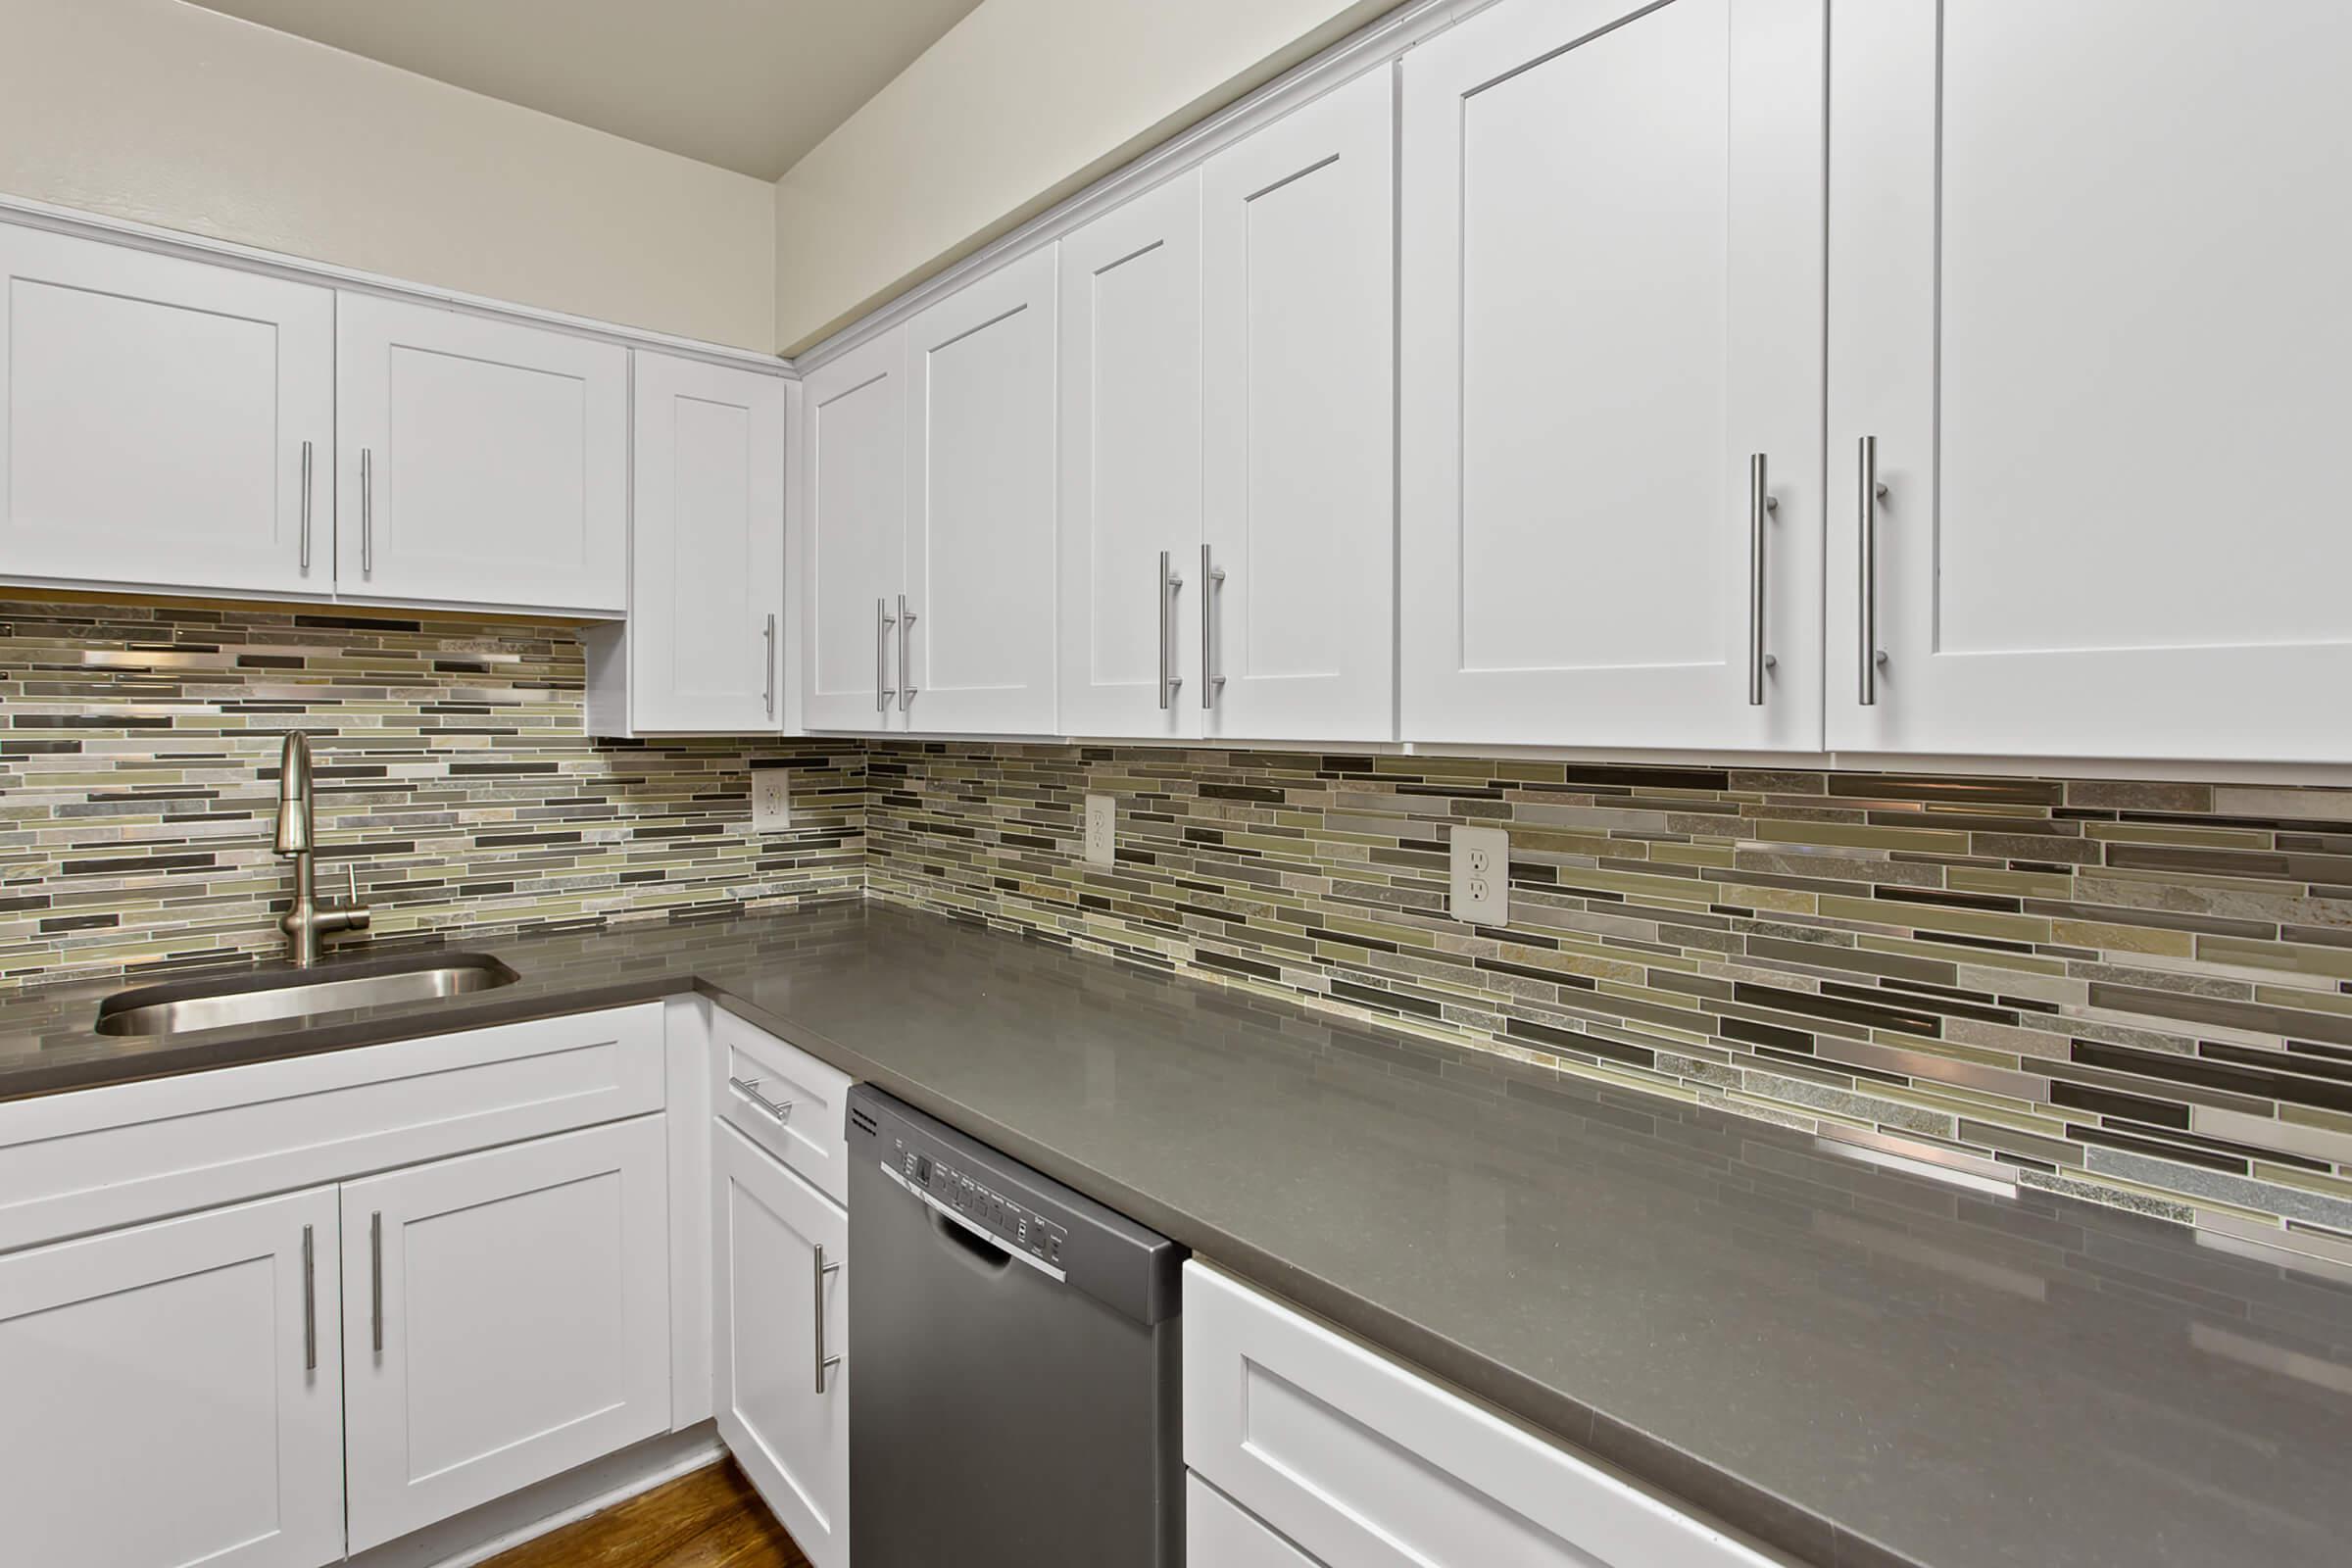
1482	875
1101	830
771	799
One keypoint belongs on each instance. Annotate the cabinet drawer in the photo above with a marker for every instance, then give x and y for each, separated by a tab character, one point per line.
1217	1535
100	1158
784	1100
1362	1462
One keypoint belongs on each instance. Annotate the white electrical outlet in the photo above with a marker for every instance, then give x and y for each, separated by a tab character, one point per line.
1482	875
771	799
1101	830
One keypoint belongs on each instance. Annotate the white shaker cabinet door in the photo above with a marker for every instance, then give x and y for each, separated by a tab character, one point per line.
1612	305
978	654
1298	304
779	1293
163	423
175	1395
707	555
479	462
854	535
2088	312
1131	466
507	1319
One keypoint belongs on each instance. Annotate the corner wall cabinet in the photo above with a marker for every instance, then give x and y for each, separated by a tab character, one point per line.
853	536
927	585
702	649
163	423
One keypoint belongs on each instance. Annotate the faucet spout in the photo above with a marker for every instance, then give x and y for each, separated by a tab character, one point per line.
308	919
294	794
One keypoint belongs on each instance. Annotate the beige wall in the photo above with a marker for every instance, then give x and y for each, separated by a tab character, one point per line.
1020	104
170	115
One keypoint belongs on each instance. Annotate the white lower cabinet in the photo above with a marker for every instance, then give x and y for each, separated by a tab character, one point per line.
784	1100
174	1393
509	1318
778	1359
1218	1535
1365	1464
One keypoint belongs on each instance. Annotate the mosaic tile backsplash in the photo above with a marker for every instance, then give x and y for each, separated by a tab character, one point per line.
2140	993
138	784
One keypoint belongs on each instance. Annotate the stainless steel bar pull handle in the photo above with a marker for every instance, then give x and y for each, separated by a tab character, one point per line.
906	656
768	690
309	1301
883	690
306	510
376	1276
824	1363
1167	588
1211	579
1760	503
366	513
1872	492
749	1089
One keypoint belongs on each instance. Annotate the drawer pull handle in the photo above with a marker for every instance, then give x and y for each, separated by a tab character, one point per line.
749	1089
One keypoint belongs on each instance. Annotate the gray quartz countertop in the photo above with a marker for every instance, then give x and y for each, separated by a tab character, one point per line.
1857	1366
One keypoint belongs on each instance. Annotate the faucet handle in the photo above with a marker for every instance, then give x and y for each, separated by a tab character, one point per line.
355	915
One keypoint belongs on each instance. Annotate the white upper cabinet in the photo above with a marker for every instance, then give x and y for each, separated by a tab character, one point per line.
852	535
1612	304
479	462
976	638
706	553
1297	585
2088	300
175	1393
1131	466
163	423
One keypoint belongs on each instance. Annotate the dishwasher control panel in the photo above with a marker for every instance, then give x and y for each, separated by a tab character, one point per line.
1015	1226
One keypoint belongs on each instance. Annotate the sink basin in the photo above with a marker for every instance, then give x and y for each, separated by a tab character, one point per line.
179	1005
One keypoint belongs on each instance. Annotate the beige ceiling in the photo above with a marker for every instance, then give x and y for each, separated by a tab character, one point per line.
746	84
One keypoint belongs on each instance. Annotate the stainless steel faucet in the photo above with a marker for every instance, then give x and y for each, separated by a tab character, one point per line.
309	919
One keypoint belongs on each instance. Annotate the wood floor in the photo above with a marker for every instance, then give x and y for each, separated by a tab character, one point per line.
709	1519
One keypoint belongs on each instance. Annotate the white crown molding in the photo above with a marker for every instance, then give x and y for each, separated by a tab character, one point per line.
1381	43
29	214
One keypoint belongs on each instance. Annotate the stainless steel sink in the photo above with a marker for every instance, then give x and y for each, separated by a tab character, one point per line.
180	1005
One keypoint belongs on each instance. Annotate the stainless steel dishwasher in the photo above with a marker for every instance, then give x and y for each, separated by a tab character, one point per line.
1018	1371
